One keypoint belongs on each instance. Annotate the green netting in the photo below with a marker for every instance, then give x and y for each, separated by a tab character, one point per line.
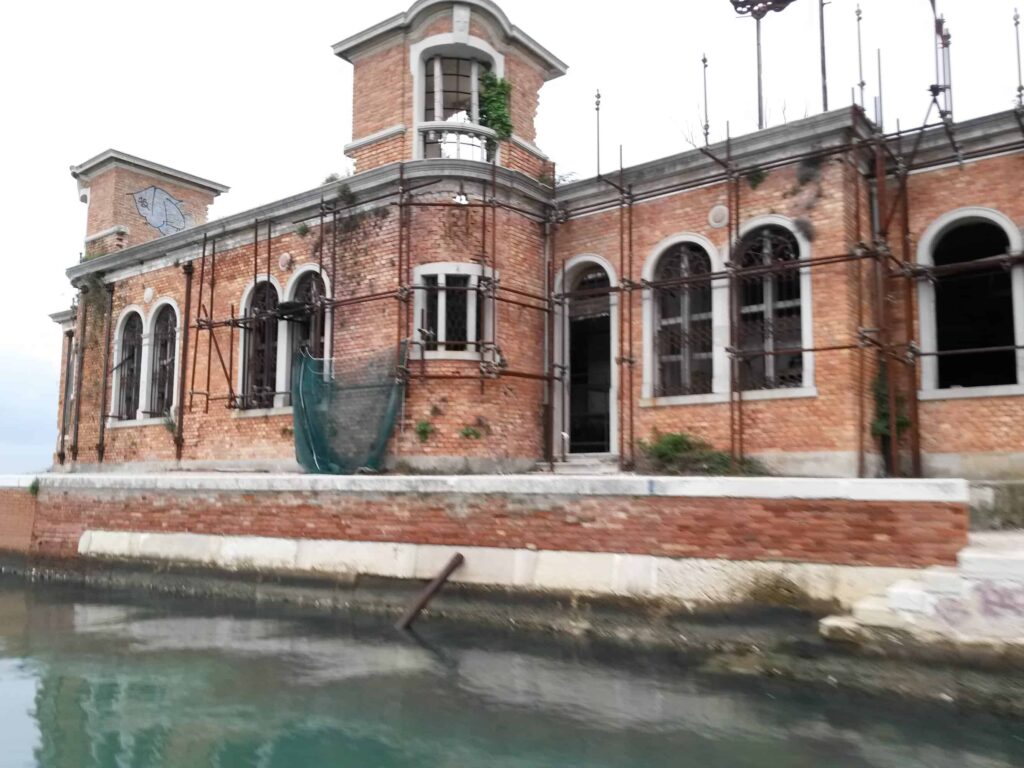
345	412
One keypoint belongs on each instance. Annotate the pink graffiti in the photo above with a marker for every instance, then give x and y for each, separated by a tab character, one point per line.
1001	600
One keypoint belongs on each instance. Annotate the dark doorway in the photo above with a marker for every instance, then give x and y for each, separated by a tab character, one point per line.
590	370
974	309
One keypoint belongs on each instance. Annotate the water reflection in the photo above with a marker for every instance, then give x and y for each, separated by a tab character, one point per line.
169	683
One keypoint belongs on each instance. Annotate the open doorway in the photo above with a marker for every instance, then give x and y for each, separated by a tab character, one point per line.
590	362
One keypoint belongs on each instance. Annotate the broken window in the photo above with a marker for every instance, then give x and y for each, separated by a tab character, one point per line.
452	95
128	368
450	308
682	326
974	308
164	347
770	311
259	384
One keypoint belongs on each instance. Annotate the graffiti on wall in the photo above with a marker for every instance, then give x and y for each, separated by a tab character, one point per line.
161	210
986	607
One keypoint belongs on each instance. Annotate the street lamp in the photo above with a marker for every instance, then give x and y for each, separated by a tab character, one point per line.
758	9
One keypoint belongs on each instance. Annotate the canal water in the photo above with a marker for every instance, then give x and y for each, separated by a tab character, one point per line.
95	679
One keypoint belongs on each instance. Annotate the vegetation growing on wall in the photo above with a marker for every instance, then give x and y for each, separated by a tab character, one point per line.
494	107
677	453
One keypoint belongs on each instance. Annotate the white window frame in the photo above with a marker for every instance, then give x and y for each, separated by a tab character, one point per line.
440	270
929	336
719	324
289	328
115	372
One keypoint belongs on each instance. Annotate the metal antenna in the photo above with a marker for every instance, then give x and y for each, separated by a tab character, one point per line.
707	125
758	9
860	56
597	109
824	67
1020	79
881	108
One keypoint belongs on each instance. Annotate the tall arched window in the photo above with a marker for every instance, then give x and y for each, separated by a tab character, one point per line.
683	322
163	349
308	320
973	307
769	315
452	96
128	367
259	383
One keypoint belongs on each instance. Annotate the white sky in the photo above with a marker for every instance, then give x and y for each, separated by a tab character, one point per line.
250	95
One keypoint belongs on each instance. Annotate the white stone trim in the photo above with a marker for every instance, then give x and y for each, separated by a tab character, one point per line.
281	375
806	297
719	320
926	290
373	138
692	580
261	413
10	482
568	274
852	489
529	146
783	393
117	230
713	398
970	393
136	423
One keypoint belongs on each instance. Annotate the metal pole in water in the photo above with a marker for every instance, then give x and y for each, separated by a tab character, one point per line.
428	593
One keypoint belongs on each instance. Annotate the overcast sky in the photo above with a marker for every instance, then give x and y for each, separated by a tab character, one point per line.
250	95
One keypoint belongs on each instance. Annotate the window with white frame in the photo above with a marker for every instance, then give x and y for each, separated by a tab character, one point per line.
162	350
128	368
453	312
683	342
452	96
770	309
259	371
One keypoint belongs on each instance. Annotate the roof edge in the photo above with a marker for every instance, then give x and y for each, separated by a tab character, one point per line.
108	157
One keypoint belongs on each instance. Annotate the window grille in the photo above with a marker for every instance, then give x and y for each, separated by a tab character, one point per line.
260	382
451	311
163	358
128	368
683	325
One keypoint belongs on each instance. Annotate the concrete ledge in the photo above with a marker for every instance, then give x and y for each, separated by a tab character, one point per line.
693	581
910	491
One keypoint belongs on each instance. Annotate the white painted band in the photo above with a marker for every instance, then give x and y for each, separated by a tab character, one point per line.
897	490
684	579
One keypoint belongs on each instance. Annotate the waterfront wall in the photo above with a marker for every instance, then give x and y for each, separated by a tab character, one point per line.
691	538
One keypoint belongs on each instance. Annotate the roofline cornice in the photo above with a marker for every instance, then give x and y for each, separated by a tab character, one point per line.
113	157
349	48
187	244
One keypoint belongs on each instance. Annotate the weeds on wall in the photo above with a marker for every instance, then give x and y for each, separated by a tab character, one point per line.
33	487
756	176
424	429
677	453
471	433
495	93
880	428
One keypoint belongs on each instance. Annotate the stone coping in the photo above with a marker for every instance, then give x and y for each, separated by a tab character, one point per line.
897	490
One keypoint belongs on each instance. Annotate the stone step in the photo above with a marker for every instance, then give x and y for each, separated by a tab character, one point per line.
993	556
908	595
583	464
943	580
874	612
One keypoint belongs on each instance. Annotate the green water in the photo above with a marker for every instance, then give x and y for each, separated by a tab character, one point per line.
87	679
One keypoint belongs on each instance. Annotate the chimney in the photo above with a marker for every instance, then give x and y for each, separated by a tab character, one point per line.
132	201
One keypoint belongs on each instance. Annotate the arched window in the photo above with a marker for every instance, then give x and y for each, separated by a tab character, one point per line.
259	382
683	322
974	307
770	311
308	320
163	349
128	367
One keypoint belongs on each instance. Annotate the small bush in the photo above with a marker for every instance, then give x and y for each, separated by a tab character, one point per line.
676	453
33	487
471	433
424	429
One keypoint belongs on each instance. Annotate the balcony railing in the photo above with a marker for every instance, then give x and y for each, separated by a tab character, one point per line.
459	141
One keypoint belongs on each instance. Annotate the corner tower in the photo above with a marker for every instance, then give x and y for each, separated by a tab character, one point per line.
422	84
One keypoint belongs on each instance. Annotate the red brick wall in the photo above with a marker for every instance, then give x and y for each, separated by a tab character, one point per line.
17	513
897	534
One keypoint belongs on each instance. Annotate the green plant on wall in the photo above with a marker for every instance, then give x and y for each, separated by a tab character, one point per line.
471	433
494	107
880	427
424	429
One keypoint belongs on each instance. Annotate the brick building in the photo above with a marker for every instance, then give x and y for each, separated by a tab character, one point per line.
767	294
